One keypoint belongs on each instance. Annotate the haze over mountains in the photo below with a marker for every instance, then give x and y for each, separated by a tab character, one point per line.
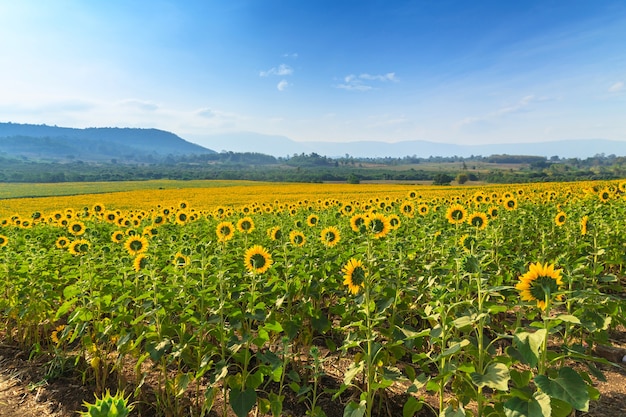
150	145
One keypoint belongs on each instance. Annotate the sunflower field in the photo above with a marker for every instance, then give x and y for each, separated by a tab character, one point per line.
483	301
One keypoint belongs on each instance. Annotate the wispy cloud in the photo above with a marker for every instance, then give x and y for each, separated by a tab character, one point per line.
362	82
293	55
282	85
139	104
618	86
522	105
281	70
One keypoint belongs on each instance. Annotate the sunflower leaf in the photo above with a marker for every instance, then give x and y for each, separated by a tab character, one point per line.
568	386
528	344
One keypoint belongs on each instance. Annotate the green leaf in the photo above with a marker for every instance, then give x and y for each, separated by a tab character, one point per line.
528	345
537	406
411	406
242	401
354	410
352	371
452	412
560	408
496	376
567	318
521	379
276	404
568	386
65	307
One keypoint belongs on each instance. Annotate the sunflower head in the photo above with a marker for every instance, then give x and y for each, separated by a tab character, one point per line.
510	203
330	236
79	247
140	262
3	241
378	224
422	209
257	259
605	195
358	223
136	244
275	233
540	284
312	220
76	228
468	242
225	231
245	225
354	274
456	214
584	225
297	238
180	260
478	220
60	243
560	218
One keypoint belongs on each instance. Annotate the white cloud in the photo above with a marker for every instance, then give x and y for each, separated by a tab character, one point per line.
293	55
618	86
139	104
358	82
281	70
282	85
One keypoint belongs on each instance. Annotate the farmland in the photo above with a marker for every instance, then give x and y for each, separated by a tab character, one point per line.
233	298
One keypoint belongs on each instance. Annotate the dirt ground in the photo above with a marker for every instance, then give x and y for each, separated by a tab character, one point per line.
25	393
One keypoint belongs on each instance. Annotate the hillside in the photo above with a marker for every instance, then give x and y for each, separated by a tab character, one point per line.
42	142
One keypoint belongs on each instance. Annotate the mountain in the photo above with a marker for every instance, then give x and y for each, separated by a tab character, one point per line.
92	144
281	146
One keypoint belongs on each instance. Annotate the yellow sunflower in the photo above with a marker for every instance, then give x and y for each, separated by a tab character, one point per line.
257	259
330	236
354	274
510	203
394	221
358	223
98	208
468	242
245	225
117	236
60	243
378	224
312	220
225	231
493	212
584	225
136	244
297	238
110	216
456	214
182	217
140	262
540	283
78	247
560	218
605	195
407	209
478	220
76	228
3	241
422	209
275	233
181	260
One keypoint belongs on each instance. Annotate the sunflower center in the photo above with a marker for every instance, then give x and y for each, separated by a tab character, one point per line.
477	221
298	239
330	236
457	214
136	245
246	225
258	260
543	286
378	226
358	276
225	230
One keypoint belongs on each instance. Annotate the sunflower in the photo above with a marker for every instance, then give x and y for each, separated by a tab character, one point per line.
604	195
182	217
354	274
140	262
422	209
478	220
180	260
312	220
394	221
76	228
225	231
347	209
584	225
110	216
468	242
98	208
456	214
297	238
378	224
3	241
330	236
275	233
78	247
183	205
358	222
60	243
257	259
510	203
136	244
245	225
407	209
493	212
540	283
560	218
117	236
150	231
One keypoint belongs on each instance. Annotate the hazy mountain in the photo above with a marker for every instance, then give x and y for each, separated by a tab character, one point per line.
92	144
283	146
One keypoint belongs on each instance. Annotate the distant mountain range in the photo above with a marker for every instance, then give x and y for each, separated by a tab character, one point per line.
42	142
283	146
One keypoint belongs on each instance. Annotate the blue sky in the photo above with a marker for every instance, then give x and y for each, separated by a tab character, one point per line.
466	72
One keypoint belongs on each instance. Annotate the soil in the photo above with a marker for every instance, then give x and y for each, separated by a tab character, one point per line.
25	392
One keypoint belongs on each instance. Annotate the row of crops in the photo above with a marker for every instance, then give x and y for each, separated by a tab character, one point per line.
487	300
